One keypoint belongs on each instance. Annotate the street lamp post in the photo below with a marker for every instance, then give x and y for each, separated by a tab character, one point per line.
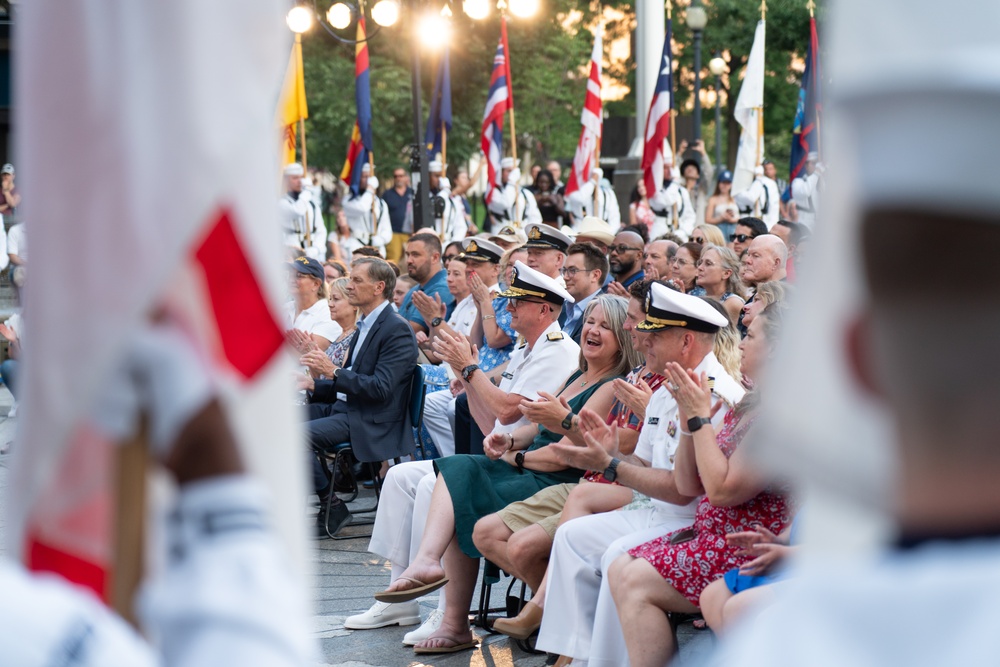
696	20
717	66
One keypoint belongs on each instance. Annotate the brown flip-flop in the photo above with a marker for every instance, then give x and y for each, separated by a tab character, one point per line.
454	648
417	591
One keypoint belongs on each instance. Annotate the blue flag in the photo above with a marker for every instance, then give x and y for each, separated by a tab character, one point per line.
805	132
440	117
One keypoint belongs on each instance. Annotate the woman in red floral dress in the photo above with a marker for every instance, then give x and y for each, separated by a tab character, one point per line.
670	572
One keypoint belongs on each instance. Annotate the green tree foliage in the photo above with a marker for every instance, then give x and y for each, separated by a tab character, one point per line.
549	56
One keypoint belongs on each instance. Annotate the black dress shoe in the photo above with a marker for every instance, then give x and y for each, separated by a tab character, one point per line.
328	524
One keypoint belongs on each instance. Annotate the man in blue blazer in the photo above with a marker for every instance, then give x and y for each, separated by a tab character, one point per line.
366	402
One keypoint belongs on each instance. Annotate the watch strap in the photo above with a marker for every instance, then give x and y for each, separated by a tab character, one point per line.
695	423
436	322
468	371
519	460
567	423
611	472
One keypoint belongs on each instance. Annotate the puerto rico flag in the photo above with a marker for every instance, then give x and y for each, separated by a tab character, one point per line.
498	102
655	149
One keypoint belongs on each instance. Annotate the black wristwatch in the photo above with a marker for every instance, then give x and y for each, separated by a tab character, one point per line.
611	472
468	371
519	460
436	322
336	372
567	423
696	423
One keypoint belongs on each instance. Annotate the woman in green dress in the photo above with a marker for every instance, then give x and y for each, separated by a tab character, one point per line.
515	467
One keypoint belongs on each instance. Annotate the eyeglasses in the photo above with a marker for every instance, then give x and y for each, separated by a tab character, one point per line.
516	303
742	238
571	271
680	262
621	248
707	263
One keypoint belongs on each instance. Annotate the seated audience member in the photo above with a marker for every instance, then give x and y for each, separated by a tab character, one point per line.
677	327
516	466
684	267
625	261
546	248
595	231
718	277
509	237
434	312
657	576
451	251
365	401
333	269
585	271
657	258
747	588
764	261
707	234
540	364
773	291
321	363
423	264
364	251
307	316
404	284
795	235
722	211
518	538
747	229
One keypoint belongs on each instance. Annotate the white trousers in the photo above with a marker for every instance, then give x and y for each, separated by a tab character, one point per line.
402	511
439	418
580	616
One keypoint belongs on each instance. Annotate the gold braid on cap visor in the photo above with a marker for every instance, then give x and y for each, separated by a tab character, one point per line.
518	292
651	323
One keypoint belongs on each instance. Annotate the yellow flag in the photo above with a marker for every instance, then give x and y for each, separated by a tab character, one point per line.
292	107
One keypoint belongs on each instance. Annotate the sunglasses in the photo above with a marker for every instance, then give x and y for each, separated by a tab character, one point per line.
742	238
698	239
621	248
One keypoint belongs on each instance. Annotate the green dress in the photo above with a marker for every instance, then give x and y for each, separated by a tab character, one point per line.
480	486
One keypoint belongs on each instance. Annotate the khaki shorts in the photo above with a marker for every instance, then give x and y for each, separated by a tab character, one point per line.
543	508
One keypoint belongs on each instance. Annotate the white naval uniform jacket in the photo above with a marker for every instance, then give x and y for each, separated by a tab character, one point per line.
581	205
368	227
502	207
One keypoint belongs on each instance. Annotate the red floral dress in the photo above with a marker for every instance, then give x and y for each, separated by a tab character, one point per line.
691	566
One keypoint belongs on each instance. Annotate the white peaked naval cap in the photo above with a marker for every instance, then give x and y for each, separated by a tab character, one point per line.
528	283
666	308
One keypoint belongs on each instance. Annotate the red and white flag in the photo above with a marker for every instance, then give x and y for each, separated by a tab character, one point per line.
592	120
499	100
656	154
148	162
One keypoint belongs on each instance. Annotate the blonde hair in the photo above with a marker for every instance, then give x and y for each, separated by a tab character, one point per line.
712	234
339	285
727	350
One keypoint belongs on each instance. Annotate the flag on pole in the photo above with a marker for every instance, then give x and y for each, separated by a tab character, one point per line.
180	222
360	149
749	113
440	117
655	150
293	102
805	132
592	120
498	102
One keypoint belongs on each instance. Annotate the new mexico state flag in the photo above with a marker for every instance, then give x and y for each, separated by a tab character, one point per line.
292	107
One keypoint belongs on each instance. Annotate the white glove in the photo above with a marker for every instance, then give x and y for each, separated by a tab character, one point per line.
161	374
675	173
596	175
372	184
820	168
305	197
514	177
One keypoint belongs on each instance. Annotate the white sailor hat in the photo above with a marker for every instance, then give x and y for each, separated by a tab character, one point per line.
435	167
528	283
366	168
294	169
666	308
545	237
481	250
507	163
813	156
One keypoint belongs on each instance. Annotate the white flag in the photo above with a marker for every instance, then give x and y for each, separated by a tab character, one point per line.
749	114
149	162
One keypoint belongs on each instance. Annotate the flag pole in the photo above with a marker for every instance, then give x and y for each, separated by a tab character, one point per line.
131	465
674	222
811	6
302	121
444	145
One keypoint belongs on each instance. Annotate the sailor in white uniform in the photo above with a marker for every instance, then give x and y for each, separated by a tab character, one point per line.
580	619
301	216
449	220
581	203
368	215
806	190
673	208
511	203
761	197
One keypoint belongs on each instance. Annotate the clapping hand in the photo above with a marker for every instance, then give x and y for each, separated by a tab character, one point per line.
547	410
455	351
599	441
8	333
318	363
456	387
691	391
634	396
480	292
765	547
429	307
496	445
300	340
615	288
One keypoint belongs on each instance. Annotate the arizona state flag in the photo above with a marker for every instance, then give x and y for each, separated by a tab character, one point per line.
293	102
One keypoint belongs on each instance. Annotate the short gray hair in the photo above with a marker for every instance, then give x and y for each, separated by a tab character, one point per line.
379	271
